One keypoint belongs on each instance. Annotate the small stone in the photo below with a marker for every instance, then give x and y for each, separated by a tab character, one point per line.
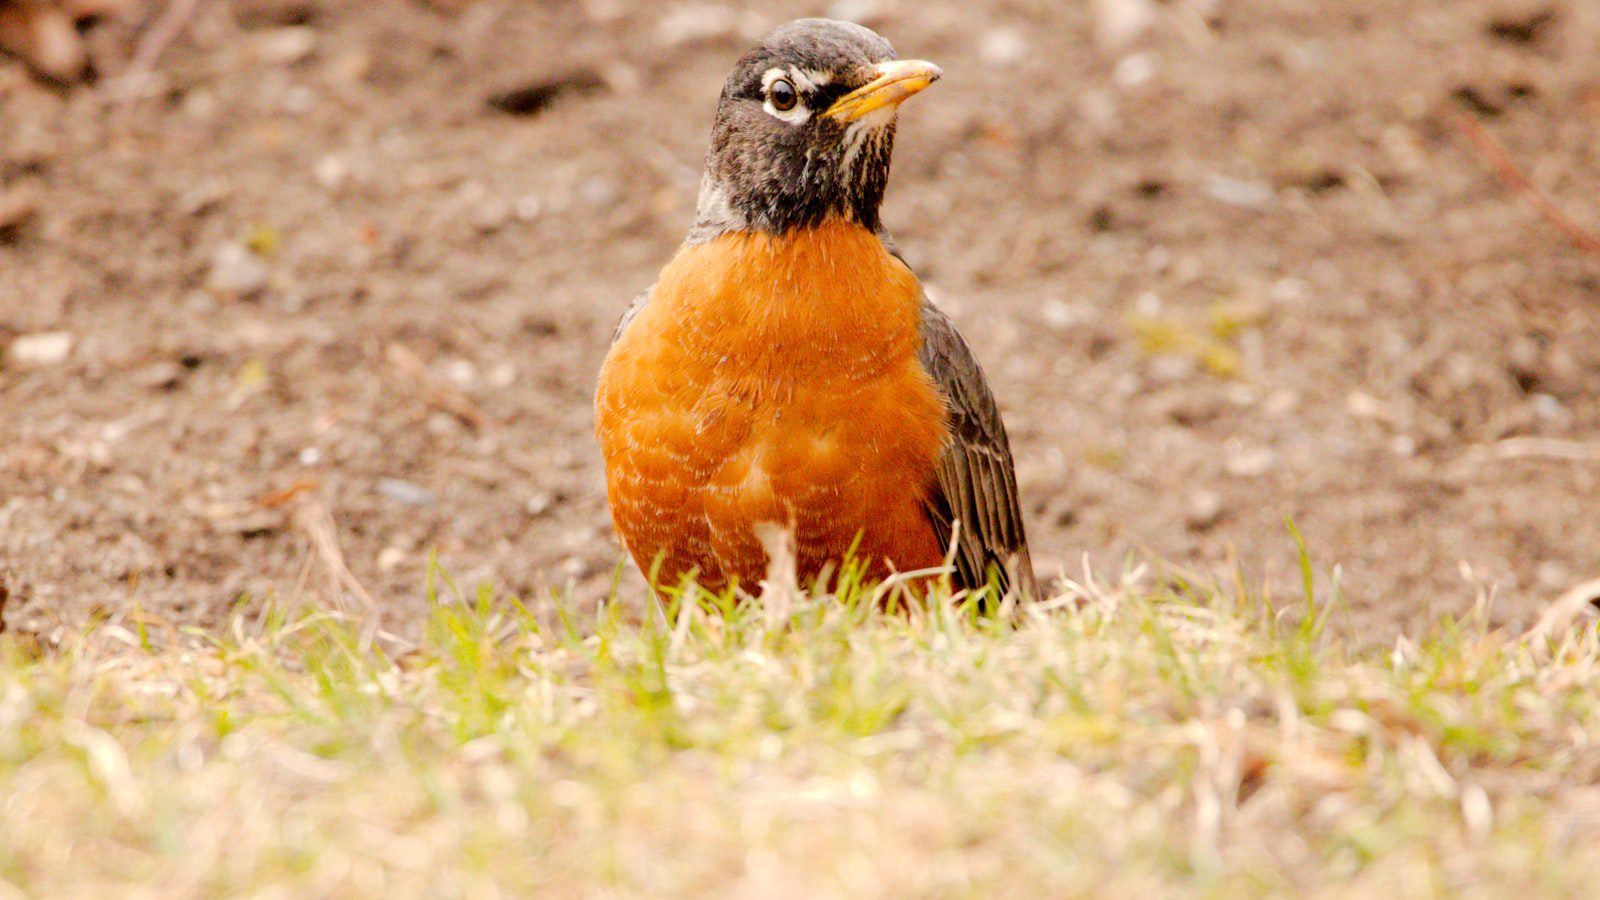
1119	22
863	12
158	375
442	423
1002	47
695	22
1280	402
1364	406
1550	409
597	190
1289	290
390	558
298	100
503	375
1059	315
462	372
528	207
236	271
1203	510
203	197
1251	462
1172	368
310	456
405	492
45	348
330	171
1133	70
1255	195
540	503
491	215
285	46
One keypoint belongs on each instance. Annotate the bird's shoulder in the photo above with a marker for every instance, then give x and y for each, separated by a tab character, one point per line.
633	311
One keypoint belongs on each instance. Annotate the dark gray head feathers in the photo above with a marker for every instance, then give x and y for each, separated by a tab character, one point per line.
771	169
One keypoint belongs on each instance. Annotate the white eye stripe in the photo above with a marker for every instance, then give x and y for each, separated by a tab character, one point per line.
809	80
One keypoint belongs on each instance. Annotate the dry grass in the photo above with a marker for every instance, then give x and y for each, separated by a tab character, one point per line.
1129	738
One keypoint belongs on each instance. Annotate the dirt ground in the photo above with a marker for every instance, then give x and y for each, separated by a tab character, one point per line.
337	279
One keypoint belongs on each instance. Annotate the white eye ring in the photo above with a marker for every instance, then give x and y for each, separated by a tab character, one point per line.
796	114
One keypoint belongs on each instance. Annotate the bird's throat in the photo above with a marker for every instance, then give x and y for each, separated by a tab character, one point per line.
830	299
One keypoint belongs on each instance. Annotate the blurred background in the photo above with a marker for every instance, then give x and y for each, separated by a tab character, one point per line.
295	293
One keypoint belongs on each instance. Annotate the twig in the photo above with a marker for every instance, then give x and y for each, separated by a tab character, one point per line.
1498	158
1560	615
782	584
1544	448
154	42
316	521
439	394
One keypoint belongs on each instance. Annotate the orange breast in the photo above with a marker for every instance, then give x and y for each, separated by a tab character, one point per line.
773	380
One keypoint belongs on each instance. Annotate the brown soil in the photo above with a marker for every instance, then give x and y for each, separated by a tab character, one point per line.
1241	267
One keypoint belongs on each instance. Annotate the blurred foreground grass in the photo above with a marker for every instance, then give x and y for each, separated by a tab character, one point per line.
1124	739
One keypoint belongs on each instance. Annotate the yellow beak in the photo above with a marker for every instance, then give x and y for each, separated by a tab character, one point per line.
892	83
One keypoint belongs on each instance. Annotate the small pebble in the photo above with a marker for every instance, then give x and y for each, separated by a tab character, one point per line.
157	375
462	372
695	22
863	12
405	492
298	100
1249	463
491	215
236	271
1059	315
1133	70
528	207
597	190
45	348
330	171
390	558
1550	409
503	375
285	46
1119	22
1203	510
540	503
1002	47
1256	195
1364	406
310	456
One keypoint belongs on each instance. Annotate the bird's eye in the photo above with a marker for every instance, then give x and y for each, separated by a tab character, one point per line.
782	95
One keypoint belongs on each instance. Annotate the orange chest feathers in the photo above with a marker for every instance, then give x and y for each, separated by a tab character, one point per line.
772	379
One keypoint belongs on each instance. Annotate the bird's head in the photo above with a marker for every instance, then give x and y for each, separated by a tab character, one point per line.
804	130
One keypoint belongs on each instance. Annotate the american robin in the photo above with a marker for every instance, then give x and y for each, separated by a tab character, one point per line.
787	367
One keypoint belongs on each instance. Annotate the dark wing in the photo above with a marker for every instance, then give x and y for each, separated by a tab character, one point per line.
977	482
632	313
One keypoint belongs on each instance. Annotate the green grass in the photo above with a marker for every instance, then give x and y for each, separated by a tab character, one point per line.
1133	739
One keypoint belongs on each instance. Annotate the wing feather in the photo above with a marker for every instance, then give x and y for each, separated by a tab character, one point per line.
975	483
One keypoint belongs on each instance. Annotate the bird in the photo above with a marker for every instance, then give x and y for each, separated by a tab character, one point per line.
788	369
